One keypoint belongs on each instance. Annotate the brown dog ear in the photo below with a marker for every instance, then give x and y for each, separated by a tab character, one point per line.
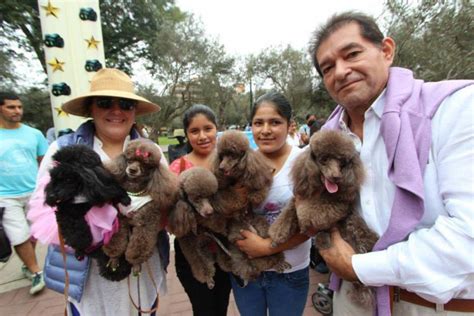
163	187
215	161
182	220
117	166
358	170
305	174
258	174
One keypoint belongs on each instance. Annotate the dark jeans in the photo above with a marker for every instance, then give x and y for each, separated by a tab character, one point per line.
205	302
272	293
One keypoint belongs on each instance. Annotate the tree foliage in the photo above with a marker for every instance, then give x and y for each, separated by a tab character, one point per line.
128	27
434	38
189	69
131	29
37	108
286	70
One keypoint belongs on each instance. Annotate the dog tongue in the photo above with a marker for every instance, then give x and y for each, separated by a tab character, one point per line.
331	187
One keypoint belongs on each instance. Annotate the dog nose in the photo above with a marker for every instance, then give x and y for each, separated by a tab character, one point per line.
206	209
133	171
335	178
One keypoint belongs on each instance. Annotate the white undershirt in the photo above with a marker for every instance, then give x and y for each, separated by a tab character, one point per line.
437	261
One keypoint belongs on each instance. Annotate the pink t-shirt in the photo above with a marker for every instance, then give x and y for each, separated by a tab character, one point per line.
176	165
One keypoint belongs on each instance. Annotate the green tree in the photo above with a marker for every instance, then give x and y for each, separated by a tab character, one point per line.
219	79
434	38
132	28
7	75
286	70
37	108
128	33
191	69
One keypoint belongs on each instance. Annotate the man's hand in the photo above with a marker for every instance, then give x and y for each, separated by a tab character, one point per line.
339	257
254	245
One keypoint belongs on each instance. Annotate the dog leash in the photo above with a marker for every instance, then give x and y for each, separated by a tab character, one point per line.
66	274
138	307
219	243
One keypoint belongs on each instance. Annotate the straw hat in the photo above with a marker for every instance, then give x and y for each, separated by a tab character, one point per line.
179	132
111	83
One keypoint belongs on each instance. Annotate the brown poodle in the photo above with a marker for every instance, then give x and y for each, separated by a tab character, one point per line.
327	178
244	181
153	189
197	226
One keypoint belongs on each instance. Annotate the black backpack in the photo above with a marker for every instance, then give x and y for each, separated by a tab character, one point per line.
5	247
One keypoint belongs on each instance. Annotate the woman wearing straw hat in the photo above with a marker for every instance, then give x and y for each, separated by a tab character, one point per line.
113	106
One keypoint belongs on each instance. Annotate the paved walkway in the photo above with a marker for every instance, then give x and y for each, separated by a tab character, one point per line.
15	299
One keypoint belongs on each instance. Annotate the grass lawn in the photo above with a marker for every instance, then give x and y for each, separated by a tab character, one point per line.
164	140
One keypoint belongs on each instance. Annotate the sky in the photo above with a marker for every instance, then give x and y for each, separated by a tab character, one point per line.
249	26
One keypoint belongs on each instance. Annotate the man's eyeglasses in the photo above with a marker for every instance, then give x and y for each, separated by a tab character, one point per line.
107	103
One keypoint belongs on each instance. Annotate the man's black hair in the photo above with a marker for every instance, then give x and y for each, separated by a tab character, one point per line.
8	96
368	30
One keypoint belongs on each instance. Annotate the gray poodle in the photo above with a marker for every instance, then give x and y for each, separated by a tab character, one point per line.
327	178
197	227
153	189
244	180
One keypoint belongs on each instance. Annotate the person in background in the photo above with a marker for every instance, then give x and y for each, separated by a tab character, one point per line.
22	148
293	138
51	135
113	106
316	126
305	129
200	127
180	149
274	293
416	140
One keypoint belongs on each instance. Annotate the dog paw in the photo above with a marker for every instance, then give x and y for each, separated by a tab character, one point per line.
113	264
322	240
136	269
125	200
240	281
282	266
210	284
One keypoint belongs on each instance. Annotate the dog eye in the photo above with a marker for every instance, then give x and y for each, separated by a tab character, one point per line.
344	163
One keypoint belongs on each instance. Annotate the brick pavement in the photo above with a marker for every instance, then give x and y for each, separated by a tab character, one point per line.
48	303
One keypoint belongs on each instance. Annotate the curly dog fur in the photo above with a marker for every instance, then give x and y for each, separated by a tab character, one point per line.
78	182
327	178
193	220
244	180
140	173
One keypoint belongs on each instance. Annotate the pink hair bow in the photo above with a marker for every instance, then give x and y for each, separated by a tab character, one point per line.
144	154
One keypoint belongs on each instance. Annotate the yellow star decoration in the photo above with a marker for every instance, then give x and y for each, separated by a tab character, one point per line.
60	112
50	9
92	42
56	64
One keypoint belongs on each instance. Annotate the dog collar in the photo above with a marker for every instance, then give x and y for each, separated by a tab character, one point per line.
137	193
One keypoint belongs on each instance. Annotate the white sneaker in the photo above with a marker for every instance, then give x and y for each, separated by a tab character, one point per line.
37	283
26	272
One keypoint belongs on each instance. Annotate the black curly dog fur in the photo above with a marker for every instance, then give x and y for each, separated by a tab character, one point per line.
79	181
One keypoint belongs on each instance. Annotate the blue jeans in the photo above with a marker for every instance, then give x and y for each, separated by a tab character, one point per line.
281	294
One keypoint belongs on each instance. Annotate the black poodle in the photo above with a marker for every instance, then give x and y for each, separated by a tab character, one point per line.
78	182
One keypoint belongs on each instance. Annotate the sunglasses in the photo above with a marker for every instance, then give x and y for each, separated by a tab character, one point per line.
107	103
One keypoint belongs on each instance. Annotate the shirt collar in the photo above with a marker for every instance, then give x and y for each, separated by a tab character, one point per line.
376	107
